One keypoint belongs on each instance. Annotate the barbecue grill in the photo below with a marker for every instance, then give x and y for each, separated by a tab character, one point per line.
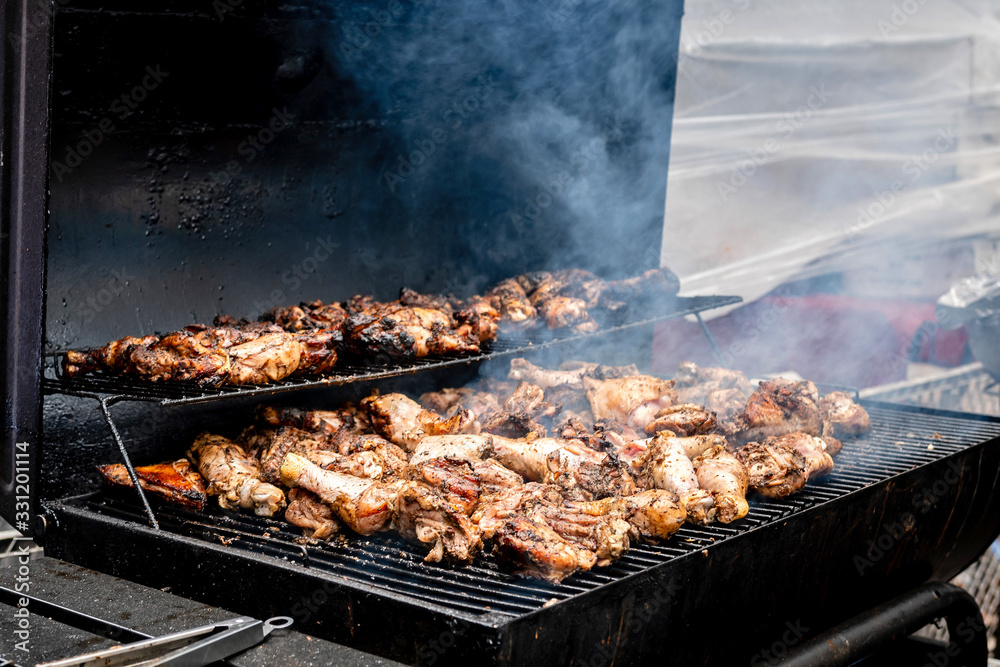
459	222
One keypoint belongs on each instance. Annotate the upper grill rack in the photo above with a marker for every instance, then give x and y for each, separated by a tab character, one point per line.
177	393
900	440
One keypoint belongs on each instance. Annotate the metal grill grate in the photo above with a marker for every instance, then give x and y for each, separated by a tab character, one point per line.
176	393
899	441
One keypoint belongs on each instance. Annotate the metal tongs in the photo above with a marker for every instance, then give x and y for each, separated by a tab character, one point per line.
189	648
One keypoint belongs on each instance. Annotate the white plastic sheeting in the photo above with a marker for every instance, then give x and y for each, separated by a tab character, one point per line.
814	136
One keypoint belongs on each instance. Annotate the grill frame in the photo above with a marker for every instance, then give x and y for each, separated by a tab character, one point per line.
754	572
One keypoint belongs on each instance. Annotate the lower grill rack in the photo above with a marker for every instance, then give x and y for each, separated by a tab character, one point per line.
383	574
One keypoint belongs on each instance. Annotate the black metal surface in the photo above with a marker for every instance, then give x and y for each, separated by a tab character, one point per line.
24	103
72	617
863	635
347	373
795	559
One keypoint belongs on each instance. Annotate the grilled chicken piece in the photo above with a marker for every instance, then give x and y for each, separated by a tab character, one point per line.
684	419
510	300
778	407
307	316
596	528
569	374
447	402
175	482
842	417
520	411
422	514
463	447
648	286
563	311
312	515
667	467
480	318
566	463
653	513
632	400
815	450
115	357
621	440
363	505
538	551
385	463
466	482
232	475
402	420
410	297
774	471
325	424
694	445
366	506
396	332
721	474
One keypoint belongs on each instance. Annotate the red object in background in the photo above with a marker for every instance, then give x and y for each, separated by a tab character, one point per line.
830	339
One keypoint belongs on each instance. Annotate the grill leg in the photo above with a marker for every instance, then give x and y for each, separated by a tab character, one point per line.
897	619
711	341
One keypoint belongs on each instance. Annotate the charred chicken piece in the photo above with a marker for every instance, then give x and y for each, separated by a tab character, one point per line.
384	463
774	471
175	482
725	477
480	318
622	441
649	286
842	417
724	403
312	515
536	550
510	300
307	316
684	419
563	311
115	357
409	297
597	528
397	332
778	407
711	378
570	374
366	506
817	451
401	420
520	412
232	475
654	514
466	482
694	445
566	463
631	400
667	467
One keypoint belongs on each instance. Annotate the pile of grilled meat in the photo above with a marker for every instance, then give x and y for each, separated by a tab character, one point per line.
308	339
557	470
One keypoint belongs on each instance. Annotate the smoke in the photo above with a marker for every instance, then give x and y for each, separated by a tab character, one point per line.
522	135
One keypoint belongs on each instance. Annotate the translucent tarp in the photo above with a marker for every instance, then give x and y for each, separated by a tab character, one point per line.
812	137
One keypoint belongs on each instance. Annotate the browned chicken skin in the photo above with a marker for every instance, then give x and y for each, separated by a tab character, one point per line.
778	407
397	332
175	482
312	515
842	417
631	400
684	419
232	475
726	478
401	420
